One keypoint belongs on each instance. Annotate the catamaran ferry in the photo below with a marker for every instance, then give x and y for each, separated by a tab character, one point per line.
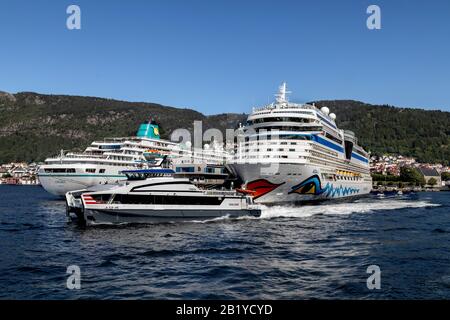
155	195
103	162
289	152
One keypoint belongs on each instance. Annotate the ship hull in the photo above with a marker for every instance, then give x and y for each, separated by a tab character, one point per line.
59	183
153	216
295	183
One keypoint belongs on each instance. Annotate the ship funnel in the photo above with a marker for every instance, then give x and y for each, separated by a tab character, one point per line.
148	129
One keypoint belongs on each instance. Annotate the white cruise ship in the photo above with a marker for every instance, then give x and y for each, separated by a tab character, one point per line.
289	152
103	161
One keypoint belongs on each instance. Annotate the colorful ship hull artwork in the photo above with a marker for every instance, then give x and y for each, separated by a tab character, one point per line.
259	187
312	186
309	189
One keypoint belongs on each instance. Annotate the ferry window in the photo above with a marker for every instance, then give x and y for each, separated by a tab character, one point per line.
101	197
269	149
280	149
174	200
291	149
90	170
71	170
294	143
102	171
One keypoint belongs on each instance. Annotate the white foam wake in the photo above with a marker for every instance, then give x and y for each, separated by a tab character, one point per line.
362	206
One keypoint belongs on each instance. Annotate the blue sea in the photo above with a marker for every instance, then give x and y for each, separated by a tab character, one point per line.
304	252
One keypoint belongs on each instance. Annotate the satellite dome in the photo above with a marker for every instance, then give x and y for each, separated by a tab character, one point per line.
325	110
188	144
206	146
333	116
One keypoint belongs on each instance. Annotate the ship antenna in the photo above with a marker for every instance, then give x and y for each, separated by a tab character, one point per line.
281	95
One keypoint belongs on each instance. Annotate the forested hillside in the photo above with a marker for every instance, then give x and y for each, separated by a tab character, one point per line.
34	126
383	129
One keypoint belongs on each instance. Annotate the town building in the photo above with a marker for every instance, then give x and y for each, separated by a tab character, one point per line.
431	173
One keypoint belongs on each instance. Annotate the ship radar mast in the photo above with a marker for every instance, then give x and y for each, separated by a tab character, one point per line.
281	95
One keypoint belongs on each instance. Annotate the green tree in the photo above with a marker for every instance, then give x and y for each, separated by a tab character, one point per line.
445	176
411	175
432	181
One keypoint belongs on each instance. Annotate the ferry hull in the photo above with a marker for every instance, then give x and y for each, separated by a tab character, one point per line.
293	183
93	216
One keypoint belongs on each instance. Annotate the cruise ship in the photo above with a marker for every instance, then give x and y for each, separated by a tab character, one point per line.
103	162
289	152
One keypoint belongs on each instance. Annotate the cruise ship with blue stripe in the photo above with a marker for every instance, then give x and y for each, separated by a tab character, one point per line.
289	152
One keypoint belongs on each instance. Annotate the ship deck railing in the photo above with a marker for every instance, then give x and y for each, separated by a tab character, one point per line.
289	105
77	155
222	193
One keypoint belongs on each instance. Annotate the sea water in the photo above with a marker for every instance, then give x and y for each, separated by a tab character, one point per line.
290	252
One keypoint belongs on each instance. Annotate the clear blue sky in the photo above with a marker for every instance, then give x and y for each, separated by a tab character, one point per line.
229	55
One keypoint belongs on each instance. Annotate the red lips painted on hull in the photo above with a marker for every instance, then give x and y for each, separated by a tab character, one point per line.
258	188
